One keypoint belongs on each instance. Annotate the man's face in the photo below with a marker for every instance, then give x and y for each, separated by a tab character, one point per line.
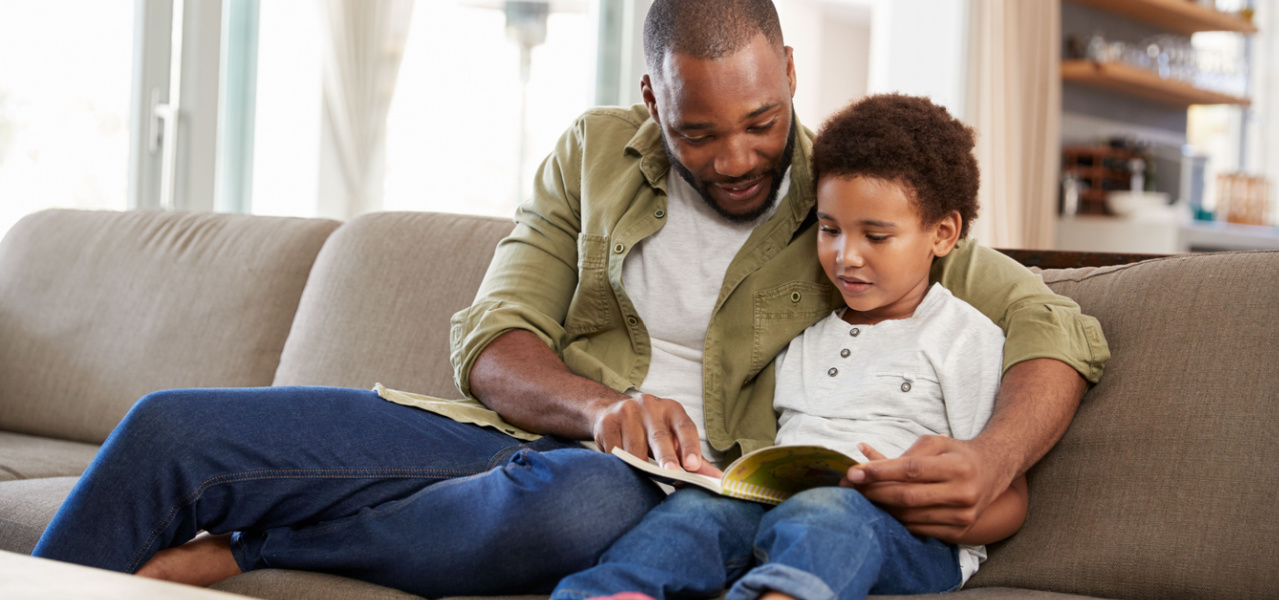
727	124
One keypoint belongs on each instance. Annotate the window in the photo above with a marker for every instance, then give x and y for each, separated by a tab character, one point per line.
65	72
453	132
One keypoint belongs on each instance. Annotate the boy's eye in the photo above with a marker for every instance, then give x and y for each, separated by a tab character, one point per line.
876	238
826	229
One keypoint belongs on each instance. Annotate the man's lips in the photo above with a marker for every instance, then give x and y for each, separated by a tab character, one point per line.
741	191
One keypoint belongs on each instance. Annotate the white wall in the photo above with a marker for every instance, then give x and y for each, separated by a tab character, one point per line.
920	47
832	53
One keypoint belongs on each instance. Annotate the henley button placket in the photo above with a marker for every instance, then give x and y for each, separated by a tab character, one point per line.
833	372
855	332
844	353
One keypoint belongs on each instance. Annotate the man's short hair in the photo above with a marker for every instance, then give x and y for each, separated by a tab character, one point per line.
907	140
706	29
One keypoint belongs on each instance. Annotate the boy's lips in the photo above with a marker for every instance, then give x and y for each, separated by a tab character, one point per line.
853	284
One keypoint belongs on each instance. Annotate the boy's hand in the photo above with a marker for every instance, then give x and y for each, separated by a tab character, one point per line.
936	488
651	424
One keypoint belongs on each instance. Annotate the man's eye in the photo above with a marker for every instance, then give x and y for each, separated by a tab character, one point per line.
696	140
764	127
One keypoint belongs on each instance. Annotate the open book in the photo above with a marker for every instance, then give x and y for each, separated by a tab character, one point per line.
769	475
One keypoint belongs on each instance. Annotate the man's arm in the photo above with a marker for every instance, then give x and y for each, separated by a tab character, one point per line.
505	345
518	376
940	486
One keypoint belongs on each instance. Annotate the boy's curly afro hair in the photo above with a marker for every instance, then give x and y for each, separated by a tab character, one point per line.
907	140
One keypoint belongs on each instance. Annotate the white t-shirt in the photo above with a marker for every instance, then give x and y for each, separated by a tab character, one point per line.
934	373
674	278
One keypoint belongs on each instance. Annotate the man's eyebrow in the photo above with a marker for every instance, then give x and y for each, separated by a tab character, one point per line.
684	126
761	110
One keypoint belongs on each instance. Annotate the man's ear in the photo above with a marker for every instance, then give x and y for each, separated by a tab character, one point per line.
650	99
790	68
946	233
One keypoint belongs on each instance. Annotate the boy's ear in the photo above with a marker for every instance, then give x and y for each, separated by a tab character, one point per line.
946	233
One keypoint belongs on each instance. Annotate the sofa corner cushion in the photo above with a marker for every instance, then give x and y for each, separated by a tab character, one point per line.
98	308
26	507
378	304
1166	484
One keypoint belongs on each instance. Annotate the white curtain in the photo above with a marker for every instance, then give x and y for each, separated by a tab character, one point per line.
364	42
1014	103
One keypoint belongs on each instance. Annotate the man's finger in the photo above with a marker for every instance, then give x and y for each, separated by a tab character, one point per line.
917	495
661	443
909	469
634	438
690	443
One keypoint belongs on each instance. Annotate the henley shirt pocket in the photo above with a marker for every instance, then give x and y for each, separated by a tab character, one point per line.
783	312
591	307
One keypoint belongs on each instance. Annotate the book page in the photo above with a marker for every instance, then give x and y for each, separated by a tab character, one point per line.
773	474
668	476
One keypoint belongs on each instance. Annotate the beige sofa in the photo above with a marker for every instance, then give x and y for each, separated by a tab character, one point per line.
1165	486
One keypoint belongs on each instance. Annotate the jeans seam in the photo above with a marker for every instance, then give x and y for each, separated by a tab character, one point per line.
266	474
318	529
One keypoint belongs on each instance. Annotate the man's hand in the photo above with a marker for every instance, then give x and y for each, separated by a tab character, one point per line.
649	423
937	488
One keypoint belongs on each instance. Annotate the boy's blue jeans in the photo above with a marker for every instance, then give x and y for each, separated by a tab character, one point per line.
822	544
340	481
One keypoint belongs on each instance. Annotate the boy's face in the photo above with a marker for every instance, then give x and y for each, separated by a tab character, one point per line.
875	248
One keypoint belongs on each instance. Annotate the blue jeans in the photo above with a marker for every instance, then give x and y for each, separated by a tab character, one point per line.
340	481
821	544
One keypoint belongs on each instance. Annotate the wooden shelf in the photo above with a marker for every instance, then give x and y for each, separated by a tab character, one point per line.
1181	16
1121	77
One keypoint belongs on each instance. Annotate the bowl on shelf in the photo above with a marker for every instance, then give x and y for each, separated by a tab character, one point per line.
1127	204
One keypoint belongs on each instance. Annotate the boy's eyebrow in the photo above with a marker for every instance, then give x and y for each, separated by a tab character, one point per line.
881	224
684	126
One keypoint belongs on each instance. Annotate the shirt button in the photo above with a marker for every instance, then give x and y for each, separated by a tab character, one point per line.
905	386
844	353
854	332
659	213
632	321
618	249
833	372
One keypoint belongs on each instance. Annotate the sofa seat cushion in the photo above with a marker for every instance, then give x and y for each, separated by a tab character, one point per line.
1165	484
98	308
378	303
30	457
279	584
26	507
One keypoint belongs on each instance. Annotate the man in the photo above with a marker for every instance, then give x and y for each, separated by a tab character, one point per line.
629	307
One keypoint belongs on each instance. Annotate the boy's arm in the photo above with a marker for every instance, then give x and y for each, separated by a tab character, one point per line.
1001	519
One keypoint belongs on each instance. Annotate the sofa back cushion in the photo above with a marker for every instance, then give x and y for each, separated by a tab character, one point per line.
100	308
378	304
1166	485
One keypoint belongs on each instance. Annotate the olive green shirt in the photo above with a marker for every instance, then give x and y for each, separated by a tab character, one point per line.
603	190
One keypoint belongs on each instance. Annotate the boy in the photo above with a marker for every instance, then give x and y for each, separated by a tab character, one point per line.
896	187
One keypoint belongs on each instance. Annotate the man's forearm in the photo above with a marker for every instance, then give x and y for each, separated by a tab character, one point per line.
1036	403
520	378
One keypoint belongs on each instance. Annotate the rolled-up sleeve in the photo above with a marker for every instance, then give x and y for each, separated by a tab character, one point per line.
1036	322
533	275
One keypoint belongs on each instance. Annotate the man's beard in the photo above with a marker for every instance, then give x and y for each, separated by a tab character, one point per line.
777	173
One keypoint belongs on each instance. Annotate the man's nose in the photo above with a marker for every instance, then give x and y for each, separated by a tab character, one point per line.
736	158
